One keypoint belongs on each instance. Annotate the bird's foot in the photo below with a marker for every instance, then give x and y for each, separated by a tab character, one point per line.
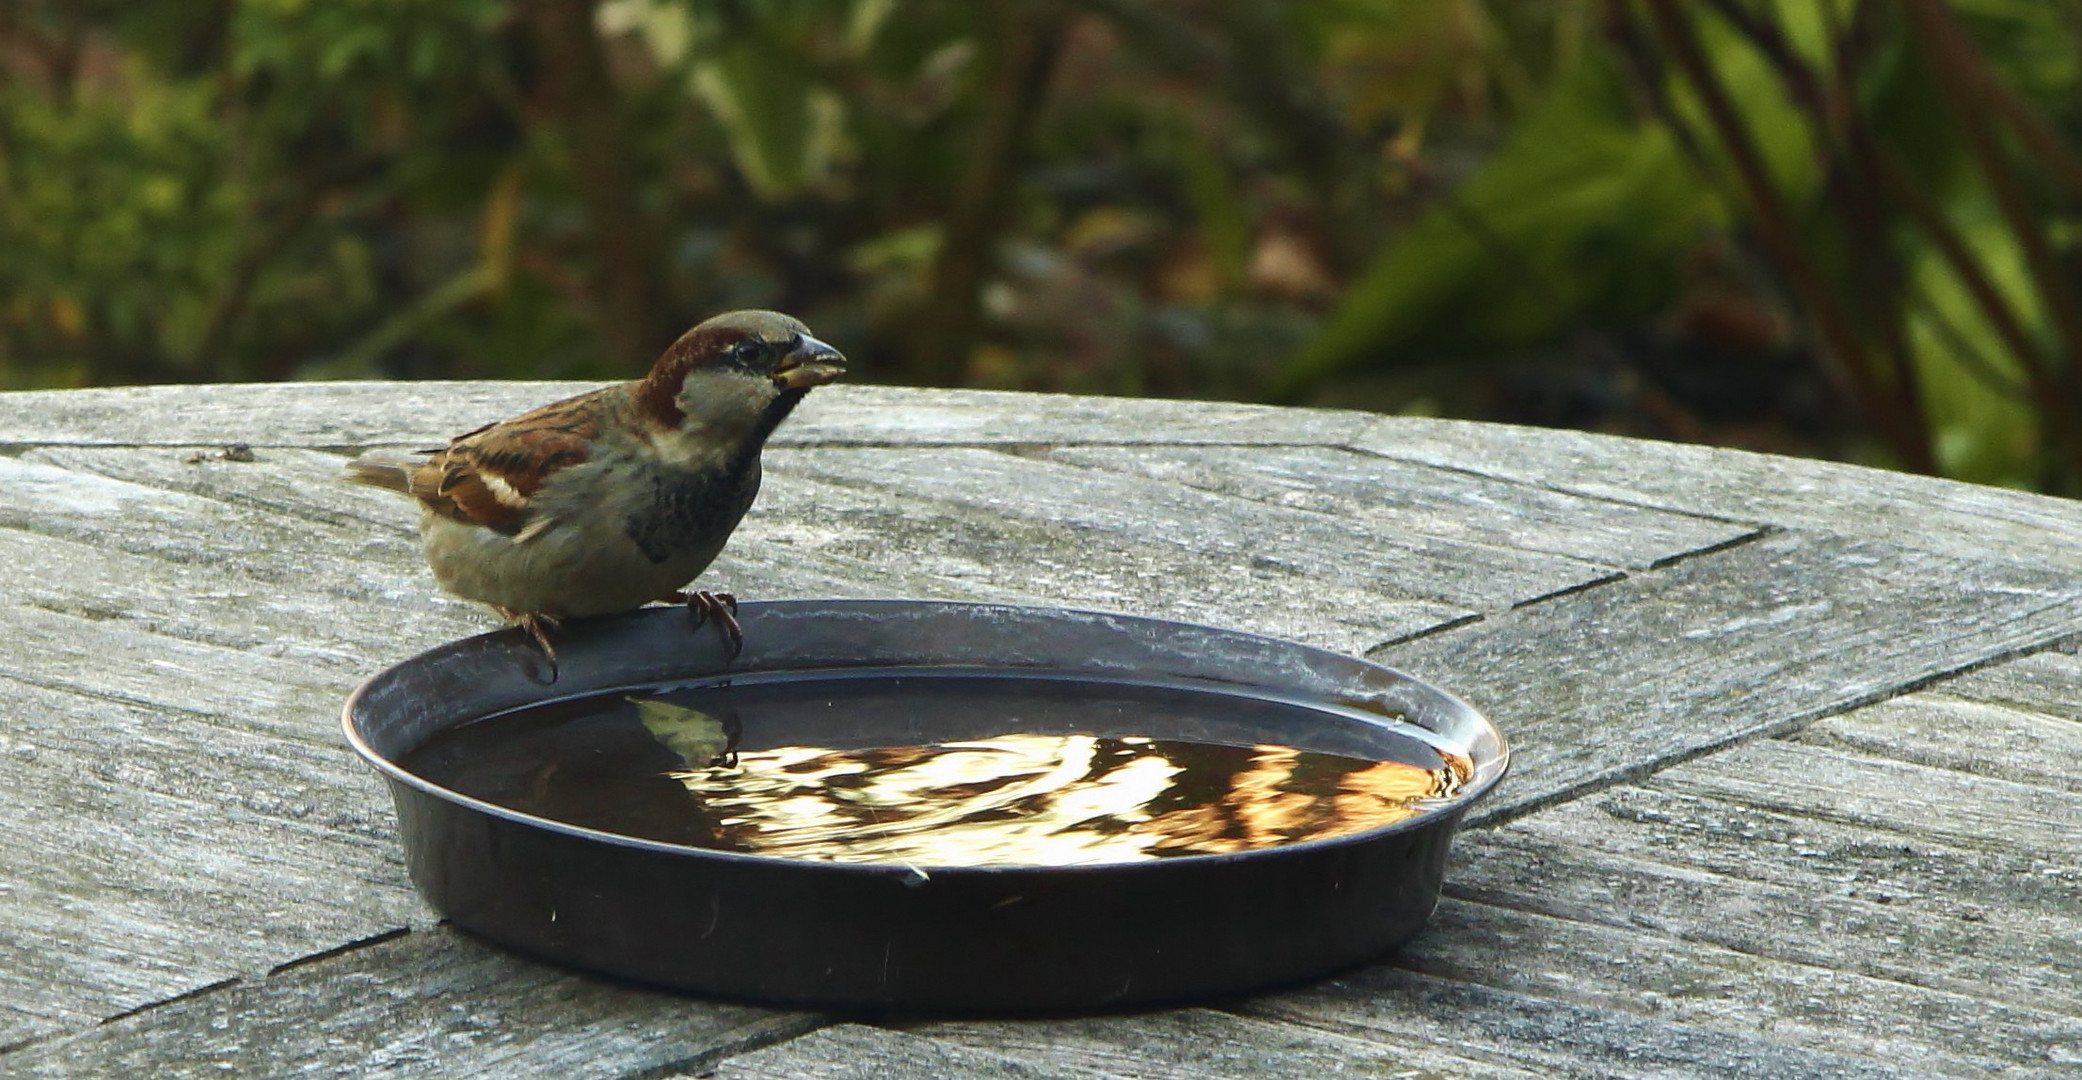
720	606
537	626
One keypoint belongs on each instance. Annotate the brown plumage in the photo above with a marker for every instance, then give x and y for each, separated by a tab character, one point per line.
612	499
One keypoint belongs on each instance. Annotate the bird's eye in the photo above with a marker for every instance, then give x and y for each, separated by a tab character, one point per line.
745	352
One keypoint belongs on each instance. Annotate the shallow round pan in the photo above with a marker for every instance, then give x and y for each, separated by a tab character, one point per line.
934	939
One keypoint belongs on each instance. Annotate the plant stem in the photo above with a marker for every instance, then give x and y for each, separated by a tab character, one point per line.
1030	35
1952	60
1851	369
630	307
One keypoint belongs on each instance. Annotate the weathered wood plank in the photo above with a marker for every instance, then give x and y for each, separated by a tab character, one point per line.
809	538
428	1004
2048	682
293	481
343	530
1608	682
1888	892
1976	737
354	414
1912	800
216	606
116	661
150	854
1189	1044
1813	1008
1421	499
1073	563
857	1052
2013	892
1815	496
896	416
337	414
1555	1036
2016	958
1648	975
1233	530
285	550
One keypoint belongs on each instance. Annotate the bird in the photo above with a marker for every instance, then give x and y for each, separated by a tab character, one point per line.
617	498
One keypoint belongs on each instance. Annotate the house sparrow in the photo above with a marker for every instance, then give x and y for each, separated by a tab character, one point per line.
610	500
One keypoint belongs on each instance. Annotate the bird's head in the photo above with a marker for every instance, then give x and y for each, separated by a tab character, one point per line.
736	376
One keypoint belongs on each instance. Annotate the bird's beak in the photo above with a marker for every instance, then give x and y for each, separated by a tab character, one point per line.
810	363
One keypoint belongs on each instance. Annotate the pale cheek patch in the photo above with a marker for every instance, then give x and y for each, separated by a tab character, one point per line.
722	408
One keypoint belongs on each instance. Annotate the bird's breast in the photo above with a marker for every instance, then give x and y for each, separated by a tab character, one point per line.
685	511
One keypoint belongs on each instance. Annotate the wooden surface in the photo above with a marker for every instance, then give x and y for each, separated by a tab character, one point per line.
1798	793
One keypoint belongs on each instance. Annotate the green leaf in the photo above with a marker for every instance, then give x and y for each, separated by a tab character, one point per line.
1981	427
1576	218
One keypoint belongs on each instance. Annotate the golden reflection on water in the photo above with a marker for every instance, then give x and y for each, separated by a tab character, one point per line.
1051	800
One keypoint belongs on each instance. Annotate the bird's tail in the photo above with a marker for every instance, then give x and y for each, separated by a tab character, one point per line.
384	469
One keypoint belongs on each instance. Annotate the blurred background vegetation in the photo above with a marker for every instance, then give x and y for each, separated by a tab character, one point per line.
1835	227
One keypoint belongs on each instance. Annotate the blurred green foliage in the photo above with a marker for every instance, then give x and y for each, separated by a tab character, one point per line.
1866	210
1515	209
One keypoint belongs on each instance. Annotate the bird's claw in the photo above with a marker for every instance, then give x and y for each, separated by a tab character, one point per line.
537	627
720	606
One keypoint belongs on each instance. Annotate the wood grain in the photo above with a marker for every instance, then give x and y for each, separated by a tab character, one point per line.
1854	885
804	537
1555	1036
2048	683
1859	862
1796	793
1618	680
427	1004
1695	984
1422	499
360	414
2022	958
1236	531
1185	1044
1070	562
1939	805
2001	742
1792	493
298	500
151	853
858	1052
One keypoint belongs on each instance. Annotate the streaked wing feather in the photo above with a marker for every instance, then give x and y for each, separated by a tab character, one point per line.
489	476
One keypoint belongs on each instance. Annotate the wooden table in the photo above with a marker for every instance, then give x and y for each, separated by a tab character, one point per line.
1798	793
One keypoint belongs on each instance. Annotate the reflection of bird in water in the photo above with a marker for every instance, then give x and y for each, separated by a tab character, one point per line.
700	739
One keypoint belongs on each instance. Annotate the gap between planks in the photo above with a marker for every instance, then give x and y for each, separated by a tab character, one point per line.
1541	485
1634	774
694	1064
1664	563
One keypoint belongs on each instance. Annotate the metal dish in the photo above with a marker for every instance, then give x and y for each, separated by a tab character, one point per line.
940	939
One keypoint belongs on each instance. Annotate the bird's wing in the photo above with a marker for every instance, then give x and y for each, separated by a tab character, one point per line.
489	477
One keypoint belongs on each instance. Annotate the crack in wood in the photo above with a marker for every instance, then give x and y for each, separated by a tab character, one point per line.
1503	815
1613	578
186	995
340	950
1714	549
1429	631
1558	489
